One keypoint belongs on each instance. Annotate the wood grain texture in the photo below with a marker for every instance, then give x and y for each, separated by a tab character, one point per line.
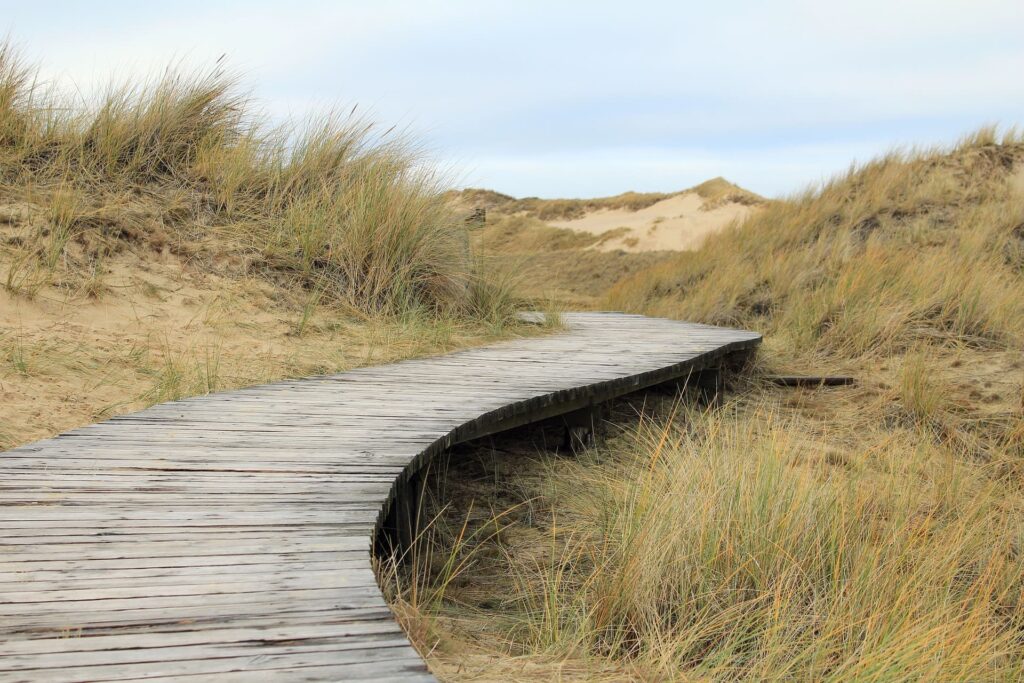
228	537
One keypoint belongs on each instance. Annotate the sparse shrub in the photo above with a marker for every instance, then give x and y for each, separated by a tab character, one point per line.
918	393
493	293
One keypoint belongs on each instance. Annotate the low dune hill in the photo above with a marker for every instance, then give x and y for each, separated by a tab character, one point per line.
678	223
633	221
573	250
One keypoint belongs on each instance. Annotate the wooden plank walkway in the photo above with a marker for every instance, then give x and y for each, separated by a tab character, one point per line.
228	537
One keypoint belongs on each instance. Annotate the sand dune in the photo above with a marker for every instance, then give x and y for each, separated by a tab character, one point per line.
676	223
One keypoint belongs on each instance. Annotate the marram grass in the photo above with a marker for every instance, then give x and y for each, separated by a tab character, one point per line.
334	205
868	533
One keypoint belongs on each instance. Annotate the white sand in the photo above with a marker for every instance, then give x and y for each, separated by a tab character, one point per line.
677	223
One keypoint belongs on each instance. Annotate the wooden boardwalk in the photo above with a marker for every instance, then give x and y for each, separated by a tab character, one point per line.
228	537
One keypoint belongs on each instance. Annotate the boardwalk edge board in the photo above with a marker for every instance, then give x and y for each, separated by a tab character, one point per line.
228	537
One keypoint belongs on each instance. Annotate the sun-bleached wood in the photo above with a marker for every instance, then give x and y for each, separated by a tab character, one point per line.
228	537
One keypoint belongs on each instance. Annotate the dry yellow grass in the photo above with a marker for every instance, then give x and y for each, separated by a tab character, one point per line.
863	533
764	542
158	241
334	205
923	246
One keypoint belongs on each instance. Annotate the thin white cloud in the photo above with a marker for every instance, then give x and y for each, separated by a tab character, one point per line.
546	98
776	171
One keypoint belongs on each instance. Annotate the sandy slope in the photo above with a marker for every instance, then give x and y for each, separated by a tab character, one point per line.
161	330
676	223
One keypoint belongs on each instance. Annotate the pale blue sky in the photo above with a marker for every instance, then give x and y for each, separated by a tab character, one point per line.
589	98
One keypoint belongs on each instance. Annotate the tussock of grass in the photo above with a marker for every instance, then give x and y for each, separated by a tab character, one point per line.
718	191
335	205
769	540
714	551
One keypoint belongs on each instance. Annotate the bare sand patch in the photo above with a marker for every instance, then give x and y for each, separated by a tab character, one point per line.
678	223
1017	178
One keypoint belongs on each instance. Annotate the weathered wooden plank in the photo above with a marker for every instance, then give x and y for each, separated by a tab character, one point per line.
108	584
385	653
225	601
71	567
87	622
225	635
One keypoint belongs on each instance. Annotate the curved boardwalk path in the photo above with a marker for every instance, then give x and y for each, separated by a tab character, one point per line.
227	537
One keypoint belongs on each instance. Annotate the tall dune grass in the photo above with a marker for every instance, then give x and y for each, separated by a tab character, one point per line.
334	205
916	246
866	533
750	543
718	551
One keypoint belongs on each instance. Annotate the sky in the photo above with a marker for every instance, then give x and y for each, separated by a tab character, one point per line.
581	99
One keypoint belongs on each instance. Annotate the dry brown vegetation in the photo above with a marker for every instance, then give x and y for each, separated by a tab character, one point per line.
557	264
861	533
572	265
920	247
184	164
160	240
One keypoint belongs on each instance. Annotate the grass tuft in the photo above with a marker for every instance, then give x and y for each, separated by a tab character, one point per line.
334	205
